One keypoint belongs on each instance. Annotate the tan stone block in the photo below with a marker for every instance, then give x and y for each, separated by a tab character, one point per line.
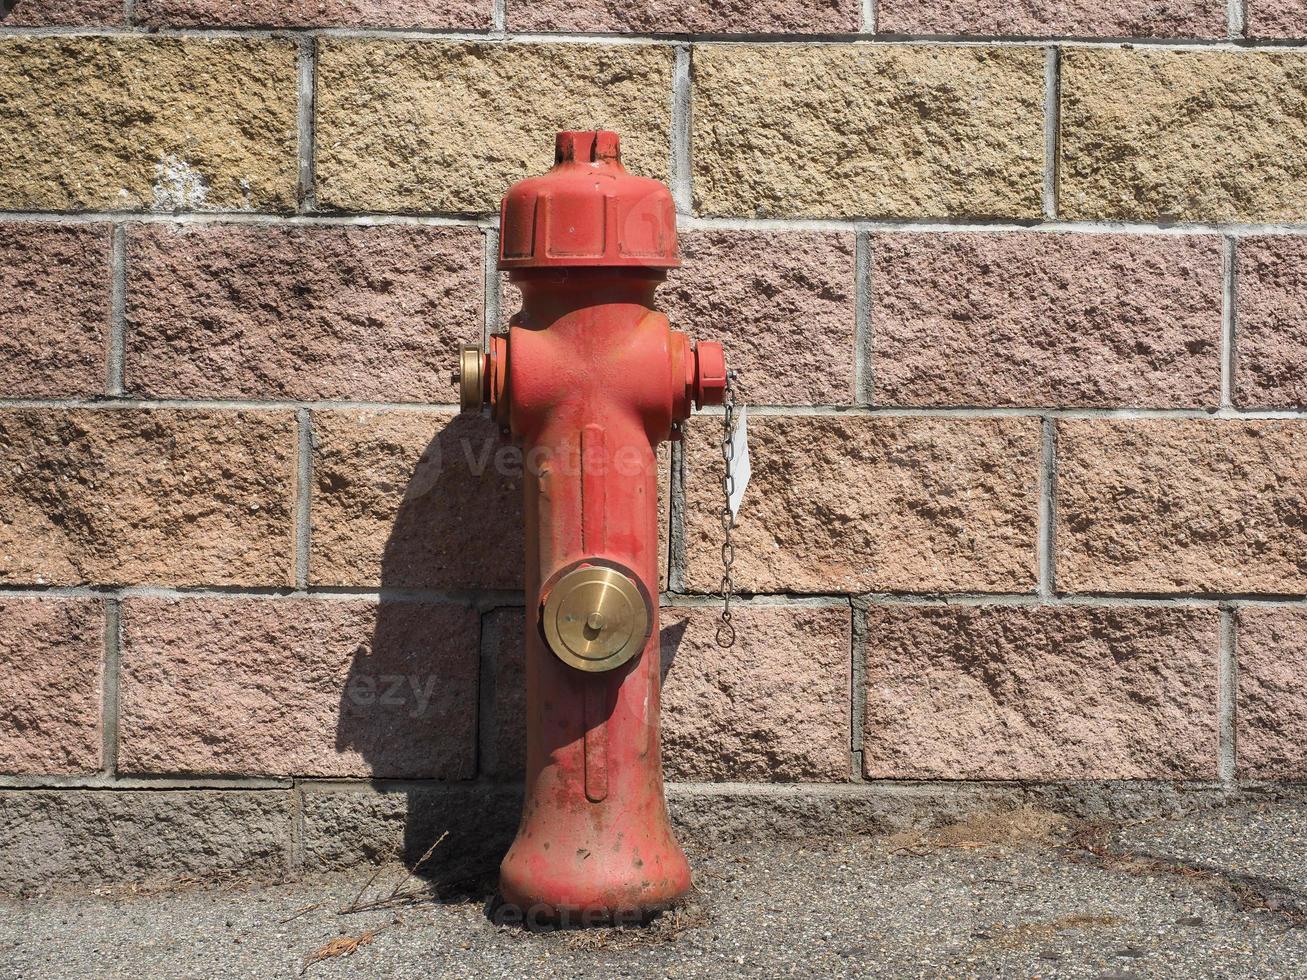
1181	505
845	131
447	127
857	504
1071	692
147	123
1164	135
51	672
123	497
320	687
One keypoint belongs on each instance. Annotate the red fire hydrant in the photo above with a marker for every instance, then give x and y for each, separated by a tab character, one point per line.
589	380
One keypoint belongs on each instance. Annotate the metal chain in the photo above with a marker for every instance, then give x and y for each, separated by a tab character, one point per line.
726	631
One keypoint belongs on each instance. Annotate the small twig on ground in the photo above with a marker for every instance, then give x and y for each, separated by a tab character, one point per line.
366	885
304	911
397	894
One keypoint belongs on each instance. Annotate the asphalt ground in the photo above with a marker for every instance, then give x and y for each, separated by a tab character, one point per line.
1024	894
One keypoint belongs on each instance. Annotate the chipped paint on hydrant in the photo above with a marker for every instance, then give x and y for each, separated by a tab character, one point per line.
589	380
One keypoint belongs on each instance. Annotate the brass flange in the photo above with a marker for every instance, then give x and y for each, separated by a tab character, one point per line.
596	618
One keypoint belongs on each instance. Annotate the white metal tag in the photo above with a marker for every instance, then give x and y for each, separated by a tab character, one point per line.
741	469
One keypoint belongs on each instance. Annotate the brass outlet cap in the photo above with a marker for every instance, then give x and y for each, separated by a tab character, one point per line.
471	379
596	618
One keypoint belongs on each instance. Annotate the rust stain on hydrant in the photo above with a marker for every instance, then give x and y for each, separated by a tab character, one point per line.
589	380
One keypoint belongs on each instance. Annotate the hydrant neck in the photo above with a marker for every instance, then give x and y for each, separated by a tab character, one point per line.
550	295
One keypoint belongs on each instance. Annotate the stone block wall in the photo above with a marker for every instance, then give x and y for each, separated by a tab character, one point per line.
1016	291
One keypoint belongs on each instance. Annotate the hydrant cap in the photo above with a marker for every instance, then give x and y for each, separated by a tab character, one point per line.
588	211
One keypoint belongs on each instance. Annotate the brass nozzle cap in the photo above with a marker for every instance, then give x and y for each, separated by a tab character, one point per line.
471	379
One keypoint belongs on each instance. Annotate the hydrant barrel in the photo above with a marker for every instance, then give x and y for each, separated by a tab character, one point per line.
589	380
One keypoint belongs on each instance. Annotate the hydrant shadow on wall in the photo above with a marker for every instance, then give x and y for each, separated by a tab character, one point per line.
589	380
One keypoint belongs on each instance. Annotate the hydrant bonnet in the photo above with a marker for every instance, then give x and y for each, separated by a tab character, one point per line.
588	211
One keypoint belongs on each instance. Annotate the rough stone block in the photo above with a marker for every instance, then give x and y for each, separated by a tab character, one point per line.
441	126
773	708
1271	336
850	131
859	504
55	316
63	13
1181	505
686	16
1053	18
241	686
469	15
51	672
131	497
347	313
148	123
1147	135
1271	712
415	500
1075	692
1276	19
1038	319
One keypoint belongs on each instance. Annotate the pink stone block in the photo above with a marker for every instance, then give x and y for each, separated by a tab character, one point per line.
1181	505
781	304
686	16
1286	19
410	500
1271	337
846	503
51	666
773	708
1002	692
1033	319
1053	18
320	687
64	13
54	310
349	313
1271	713
427	14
